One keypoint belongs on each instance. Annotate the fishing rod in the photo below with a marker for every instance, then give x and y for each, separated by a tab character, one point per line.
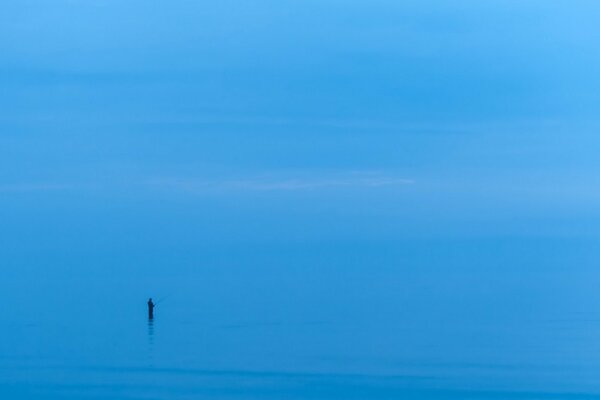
161	300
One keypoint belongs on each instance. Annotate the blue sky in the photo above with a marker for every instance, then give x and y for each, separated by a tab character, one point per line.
296	121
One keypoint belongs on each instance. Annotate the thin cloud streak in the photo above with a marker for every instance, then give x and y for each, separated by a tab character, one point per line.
199	185
290	184
32	187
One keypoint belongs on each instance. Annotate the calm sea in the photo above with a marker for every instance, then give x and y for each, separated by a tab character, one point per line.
469	319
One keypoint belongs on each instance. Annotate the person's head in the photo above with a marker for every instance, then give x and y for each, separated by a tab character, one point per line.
150	300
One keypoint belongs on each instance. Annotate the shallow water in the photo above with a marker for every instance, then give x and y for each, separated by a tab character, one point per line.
323	326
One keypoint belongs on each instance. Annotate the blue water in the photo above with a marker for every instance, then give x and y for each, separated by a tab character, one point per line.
308	321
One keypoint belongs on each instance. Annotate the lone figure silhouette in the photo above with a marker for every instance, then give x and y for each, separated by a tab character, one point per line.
150	308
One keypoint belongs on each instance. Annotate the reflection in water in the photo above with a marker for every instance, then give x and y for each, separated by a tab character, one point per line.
151	341
151	329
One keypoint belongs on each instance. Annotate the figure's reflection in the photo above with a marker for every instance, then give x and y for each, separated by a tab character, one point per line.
151	329
151	342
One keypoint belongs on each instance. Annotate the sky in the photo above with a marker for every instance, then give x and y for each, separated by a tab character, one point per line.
135	135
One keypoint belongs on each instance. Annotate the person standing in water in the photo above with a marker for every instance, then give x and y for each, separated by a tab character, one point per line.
150	308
